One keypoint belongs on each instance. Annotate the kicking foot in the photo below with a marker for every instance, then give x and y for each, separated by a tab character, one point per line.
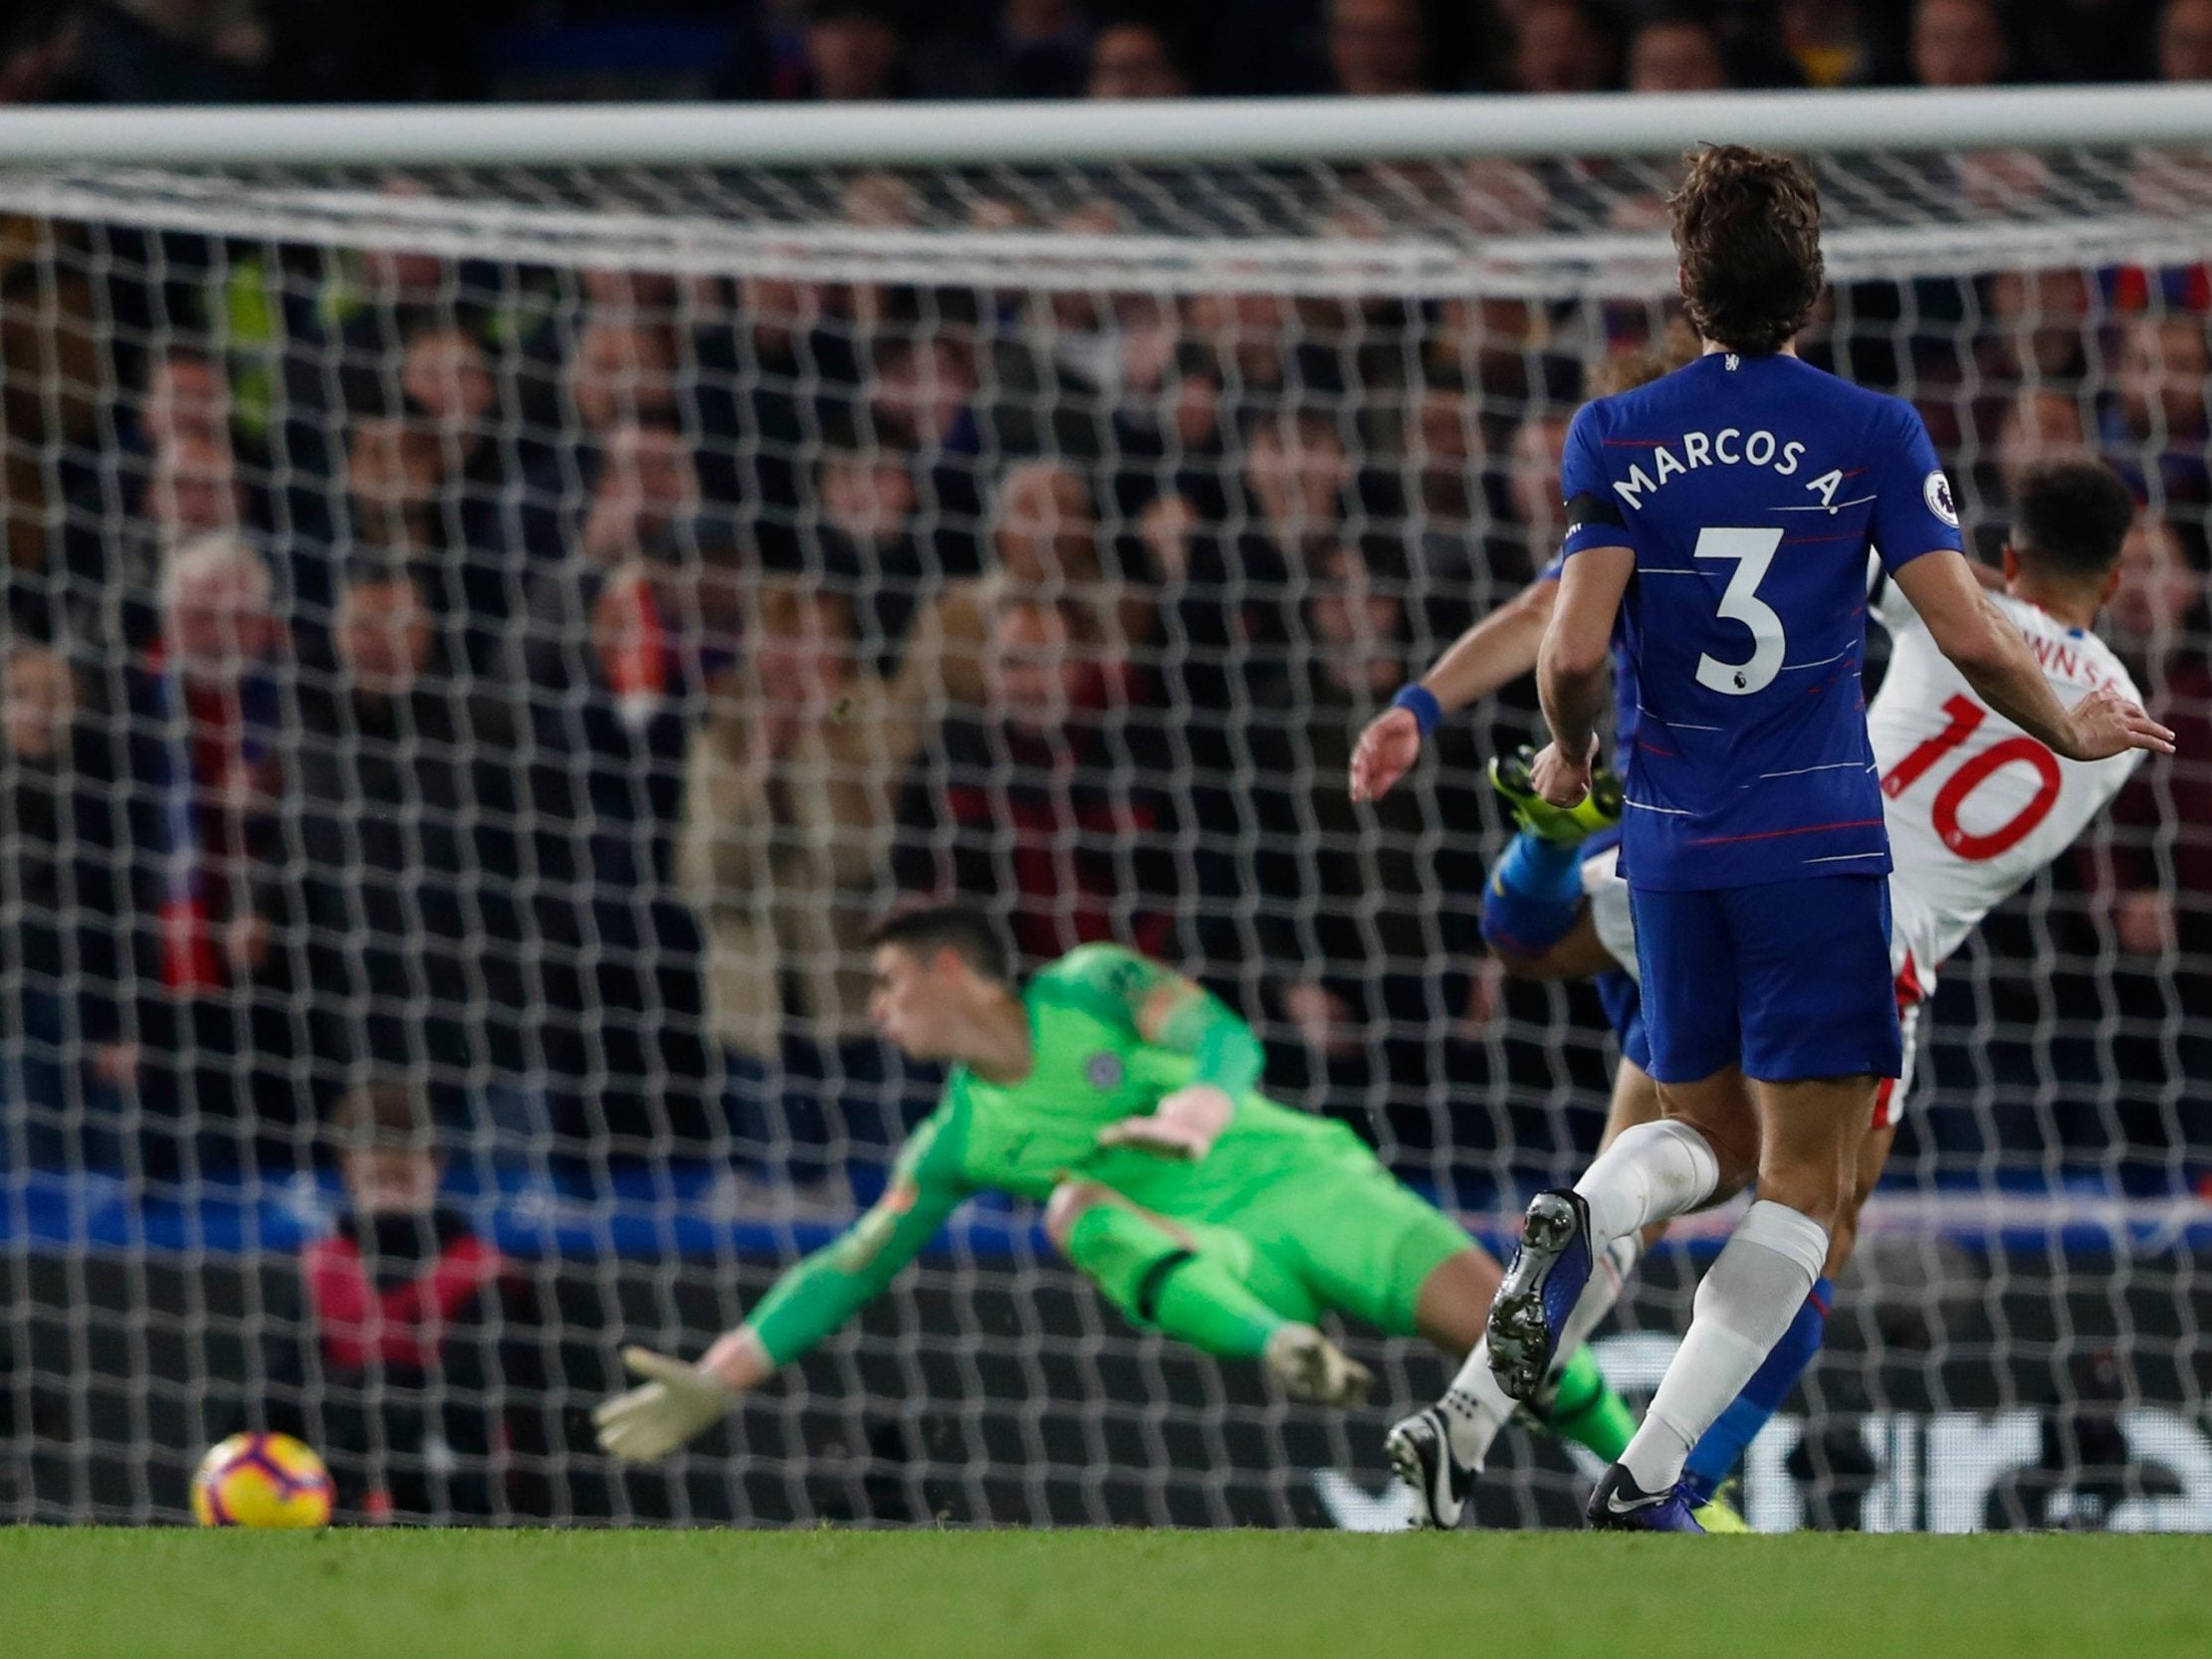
1419	1449
1313	1370
1621	1505
1598	810
1539	1291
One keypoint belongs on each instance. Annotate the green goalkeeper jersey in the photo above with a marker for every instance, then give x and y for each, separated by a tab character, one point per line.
1091	1066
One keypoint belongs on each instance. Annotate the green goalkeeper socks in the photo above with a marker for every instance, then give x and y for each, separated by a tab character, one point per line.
1586	1411
1142	1270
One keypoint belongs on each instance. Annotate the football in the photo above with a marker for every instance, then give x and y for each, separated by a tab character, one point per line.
262	1480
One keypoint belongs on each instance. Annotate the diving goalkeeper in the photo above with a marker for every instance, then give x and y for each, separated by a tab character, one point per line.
1121	1096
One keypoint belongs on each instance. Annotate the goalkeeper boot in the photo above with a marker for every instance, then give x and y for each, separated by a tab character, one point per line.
1621	1505
1538	1294
1421	1456
1313	1370
1511	776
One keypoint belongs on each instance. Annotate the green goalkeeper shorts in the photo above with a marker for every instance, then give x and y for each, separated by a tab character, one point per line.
1342	1235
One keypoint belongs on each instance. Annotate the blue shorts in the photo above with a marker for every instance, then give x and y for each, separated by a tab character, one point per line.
1790	979
1624	1012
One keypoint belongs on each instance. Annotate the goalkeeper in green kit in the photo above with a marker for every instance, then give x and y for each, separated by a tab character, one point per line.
1122	1097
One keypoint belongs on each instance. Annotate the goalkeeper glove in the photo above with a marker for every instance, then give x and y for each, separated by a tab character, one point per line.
675	1403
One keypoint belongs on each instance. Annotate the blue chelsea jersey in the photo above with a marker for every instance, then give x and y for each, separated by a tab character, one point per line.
1750	489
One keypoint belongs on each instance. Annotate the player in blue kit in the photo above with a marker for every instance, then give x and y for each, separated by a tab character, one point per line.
1720	522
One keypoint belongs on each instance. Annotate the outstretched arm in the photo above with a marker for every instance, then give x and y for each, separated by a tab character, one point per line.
1987	649
677	1400
1489	656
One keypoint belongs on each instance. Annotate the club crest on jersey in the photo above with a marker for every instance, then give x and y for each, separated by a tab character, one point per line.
1936	490
1103	1070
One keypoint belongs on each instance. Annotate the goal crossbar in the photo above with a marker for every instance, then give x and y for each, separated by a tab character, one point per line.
1178	131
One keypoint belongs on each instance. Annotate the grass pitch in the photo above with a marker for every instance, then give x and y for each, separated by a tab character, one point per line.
173	1594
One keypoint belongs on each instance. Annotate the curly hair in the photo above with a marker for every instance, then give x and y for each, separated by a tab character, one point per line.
1747	229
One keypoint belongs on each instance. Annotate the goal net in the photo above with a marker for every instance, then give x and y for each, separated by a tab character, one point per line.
488	641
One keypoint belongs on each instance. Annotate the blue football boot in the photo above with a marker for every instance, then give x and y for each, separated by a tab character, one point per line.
1621	1505
1539	1291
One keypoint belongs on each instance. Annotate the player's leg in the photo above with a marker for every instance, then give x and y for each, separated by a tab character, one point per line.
1635	1101
1701	1150
1438	1451
1366	1245
1201	1285
1715	1455
1532	905
1819	1026
1713	1459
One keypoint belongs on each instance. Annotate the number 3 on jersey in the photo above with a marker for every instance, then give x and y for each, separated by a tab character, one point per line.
1966	717
1753	550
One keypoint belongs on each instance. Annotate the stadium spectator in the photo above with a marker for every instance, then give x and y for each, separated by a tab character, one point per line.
1378	47
1064	367
1443	454
1959	43
37	44
790	806
1360	986
1559	46
861	537
2043	328
185	398
2154	423
449	386
193	486
1045	540
1830	42
623	368
207	708
1039	48
2161	881
775	375
1537	513
645	488
1131	59
2153	881
2033	424
400	822
393	476
65	956
853	50
164	52
1046	804
2185	41
405	1348
2157	602
1675	53
188	486
921	397
615	657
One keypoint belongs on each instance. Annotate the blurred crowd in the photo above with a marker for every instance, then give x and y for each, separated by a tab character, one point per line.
533	683
231	51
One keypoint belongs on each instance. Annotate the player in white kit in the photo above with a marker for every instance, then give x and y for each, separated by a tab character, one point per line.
1974	808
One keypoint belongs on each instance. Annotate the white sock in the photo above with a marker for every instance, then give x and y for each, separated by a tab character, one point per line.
1652	1172
1474	1408
1747	1300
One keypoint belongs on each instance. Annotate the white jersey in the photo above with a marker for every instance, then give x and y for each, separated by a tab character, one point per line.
1974	805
